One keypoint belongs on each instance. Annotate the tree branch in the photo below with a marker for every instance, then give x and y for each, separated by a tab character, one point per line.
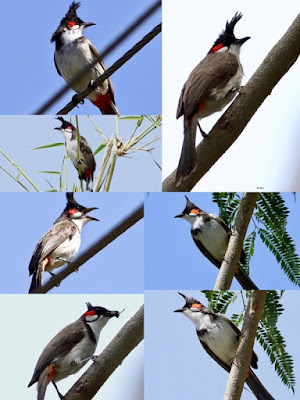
129	221
233	253
229	127
240	365
113	355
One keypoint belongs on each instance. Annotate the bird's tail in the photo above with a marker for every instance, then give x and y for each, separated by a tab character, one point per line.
106	104
244	280
36	281
89	184
187	162
259	391
43	383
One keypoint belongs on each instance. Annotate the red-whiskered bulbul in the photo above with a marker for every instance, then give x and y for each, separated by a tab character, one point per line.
209	88
220	338
211	235
86	160
61	243
70	349
74	53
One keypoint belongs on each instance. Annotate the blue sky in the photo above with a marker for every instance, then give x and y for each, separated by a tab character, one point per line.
118	268
176	365
174	261
24	133
29	26
47	315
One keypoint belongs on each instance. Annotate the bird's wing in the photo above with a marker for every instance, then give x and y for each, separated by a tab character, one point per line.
209	74
221	222
58	347
208	350
56	66
96	53
88	154
59	232
207	254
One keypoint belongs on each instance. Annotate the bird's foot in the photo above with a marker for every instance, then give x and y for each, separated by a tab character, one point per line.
90	85
76	101
58	392
205	135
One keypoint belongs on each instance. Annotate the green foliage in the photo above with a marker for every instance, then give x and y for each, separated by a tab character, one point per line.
273	342
228	204
219	300
272	213
270	225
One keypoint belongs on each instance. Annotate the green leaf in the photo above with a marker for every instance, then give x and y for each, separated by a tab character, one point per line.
102	145
50	172
47	146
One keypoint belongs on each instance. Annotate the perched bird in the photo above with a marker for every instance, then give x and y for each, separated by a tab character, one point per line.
70	349
86	161
220	338
61	243
74	53
211	235
212	84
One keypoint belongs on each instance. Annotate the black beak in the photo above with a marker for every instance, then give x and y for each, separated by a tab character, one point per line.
111	314
87	24
86	210
243	40
179	215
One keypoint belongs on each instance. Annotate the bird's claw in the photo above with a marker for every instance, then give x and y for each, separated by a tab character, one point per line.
90	85
204	135
76	101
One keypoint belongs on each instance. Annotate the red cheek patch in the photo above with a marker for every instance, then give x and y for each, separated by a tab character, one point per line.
196	305
71	23
91	312
73	211
194	211
217	47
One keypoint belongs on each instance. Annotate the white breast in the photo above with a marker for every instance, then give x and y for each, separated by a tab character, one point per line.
213	237
67	250
71	363
71	59
72	151
220	338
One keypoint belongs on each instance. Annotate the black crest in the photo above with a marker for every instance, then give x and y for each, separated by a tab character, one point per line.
227	36
64	123
70	16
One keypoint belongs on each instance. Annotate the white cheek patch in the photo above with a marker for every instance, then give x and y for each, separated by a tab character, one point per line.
195	309
69	130
91	318
222	50
76	215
